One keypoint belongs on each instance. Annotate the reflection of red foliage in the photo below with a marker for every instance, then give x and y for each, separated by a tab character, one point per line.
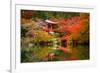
74	55
64	49
73	58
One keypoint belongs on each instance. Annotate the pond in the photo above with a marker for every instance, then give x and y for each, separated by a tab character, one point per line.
45	53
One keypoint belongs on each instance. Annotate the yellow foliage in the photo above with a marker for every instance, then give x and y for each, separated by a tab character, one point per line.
42	53
42	36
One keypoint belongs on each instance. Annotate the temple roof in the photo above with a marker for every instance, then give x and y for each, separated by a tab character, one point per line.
49	21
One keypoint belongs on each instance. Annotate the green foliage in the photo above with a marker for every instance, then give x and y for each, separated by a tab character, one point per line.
42	36
51	15
23	32
84	52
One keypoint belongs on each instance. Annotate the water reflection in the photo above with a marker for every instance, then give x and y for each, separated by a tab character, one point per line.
50	51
